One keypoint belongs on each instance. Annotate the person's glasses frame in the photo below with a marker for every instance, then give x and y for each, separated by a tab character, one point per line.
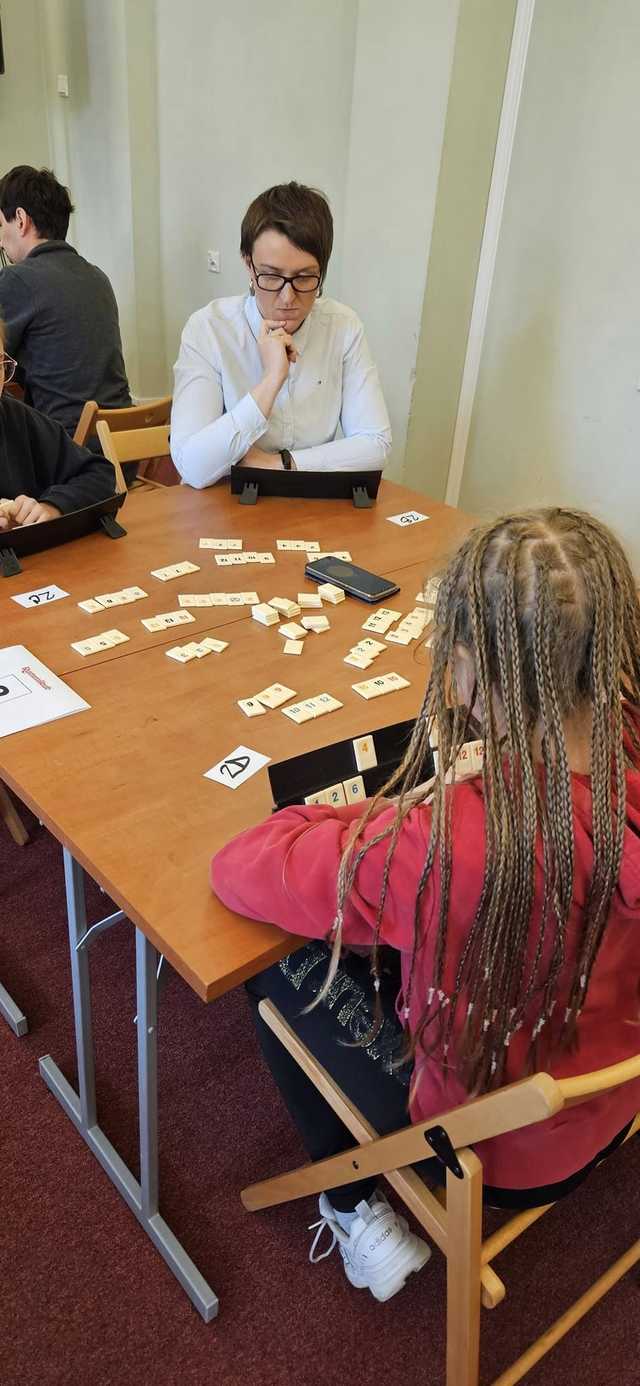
311	282
8	366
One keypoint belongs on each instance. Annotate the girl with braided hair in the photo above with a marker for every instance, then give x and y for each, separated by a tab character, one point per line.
509	899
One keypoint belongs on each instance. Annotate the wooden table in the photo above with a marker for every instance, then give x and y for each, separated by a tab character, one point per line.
154	727
164	526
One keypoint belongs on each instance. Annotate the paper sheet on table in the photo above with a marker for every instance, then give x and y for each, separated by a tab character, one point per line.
30	694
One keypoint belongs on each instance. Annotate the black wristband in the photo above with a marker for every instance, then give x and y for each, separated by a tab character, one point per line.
287	460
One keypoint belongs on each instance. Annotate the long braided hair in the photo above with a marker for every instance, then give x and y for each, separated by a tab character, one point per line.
544	601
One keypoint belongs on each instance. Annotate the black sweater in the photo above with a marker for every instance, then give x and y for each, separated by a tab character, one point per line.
37	458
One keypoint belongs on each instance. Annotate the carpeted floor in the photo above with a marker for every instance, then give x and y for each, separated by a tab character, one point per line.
84	1298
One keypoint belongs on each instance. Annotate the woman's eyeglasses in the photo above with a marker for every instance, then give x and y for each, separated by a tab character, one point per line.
8	367
273	283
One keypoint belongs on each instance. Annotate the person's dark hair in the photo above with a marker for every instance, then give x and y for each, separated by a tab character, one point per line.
45	200
301	214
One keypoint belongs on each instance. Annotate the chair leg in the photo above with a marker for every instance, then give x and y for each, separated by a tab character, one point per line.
11	818
464	1217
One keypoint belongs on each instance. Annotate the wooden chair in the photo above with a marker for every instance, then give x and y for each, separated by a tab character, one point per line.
136	416
454	1220
11	818
132	446
147	415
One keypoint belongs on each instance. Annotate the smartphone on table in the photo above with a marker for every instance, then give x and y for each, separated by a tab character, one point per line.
357	582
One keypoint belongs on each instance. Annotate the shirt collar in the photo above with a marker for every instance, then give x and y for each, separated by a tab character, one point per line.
252	314
44	246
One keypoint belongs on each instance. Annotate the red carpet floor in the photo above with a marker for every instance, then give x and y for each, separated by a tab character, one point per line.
84	1298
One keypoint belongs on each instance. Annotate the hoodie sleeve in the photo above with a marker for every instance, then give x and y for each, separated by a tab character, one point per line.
285	871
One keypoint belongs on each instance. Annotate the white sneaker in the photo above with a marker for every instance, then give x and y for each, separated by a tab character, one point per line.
379	1252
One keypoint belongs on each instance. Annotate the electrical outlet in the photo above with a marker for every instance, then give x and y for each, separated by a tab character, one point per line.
213	261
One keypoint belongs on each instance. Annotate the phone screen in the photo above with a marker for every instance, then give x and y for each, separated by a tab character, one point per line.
356	581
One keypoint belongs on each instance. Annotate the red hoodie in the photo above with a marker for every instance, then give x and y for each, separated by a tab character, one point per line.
285	871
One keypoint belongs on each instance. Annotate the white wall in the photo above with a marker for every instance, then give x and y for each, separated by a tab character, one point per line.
403	66
248	95
104	147
86	39
178	115
557	413
24	133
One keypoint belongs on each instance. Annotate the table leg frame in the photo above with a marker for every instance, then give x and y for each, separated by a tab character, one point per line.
141	1196
12	1013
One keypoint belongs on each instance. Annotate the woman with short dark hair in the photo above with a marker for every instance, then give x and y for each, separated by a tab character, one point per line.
272	377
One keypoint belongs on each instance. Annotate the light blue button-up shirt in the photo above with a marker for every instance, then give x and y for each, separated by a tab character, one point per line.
332	388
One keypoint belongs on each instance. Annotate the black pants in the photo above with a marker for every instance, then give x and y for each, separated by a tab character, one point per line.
366	1073
345	1016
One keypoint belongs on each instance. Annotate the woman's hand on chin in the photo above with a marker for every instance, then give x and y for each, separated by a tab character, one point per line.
277	349
255	457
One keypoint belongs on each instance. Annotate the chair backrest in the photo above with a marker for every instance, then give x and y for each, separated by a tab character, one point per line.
132	445
147	415
520	1104
453	1219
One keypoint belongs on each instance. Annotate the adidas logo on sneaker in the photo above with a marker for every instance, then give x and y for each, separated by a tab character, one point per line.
381	1262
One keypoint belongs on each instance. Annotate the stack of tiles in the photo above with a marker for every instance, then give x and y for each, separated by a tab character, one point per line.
315	623
294	637
329	593
265	614
284	607
410	627
364	653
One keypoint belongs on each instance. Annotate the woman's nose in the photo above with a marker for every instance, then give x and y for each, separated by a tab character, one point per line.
287	295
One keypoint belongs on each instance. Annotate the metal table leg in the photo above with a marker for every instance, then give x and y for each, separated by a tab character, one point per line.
141	1197
12	1013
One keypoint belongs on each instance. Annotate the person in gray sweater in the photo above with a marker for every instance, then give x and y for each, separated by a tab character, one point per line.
60	312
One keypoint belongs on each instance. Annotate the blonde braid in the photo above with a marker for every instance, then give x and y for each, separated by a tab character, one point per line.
545	604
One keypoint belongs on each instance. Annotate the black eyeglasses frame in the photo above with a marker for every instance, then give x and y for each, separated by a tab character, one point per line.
286	279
